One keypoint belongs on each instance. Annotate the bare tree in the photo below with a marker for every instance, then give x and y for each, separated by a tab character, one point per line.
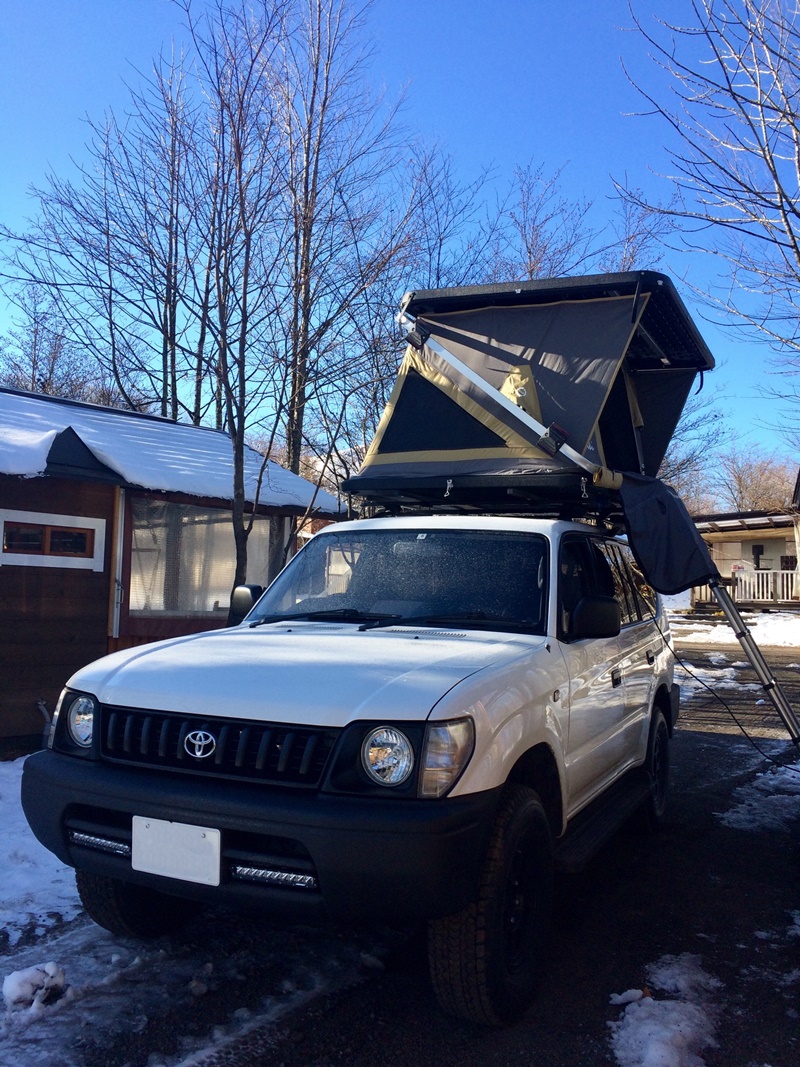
690	458
546	235
734	111
38	355
749	479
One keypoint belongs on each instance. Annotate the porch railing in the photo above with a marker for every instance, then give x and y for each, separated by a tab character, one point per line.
757	587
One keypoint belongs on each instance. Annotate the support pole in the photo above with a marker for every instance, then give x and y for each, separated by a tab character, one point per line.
769	683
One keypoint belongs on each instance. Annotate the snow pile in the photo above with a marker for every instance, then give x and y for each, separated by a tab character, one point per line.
670	1032
38	890
34	988
774	629
770	802
696	680
24	452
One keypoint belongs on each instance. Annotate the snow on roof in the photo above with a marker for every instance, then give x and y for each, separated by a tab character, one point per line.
144	450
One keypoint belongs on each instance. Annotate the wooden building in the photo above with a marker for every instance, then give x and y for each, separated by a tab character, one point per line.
115	530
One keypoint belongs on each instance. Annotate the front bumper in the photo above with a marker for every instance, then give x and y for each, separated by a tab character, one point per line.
369	857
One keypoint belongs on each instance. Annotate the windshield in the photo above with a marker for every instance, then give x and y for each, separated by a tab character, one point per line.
488	579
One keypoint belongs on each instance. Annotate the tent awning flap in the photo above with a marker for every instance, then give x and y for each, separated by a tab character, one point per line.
663	537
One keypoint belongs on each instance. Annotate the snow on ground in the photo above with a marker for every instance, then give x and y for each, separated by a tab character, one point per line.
770	802
696	680
769	629
38	890
672	1027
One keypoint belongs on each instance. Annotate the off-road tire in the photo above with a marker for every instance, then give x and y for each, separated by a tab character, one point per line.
485	959
131	910
653	812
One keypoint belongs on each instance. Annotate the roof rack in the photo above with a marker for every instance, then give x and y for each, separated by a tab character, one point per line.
567	496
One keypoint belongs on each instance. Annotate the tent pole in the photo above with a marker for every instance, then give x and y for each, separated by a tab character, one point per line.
769	683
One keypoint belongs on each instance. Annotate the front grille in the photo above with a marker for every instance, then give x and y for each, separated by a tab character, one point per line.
270	752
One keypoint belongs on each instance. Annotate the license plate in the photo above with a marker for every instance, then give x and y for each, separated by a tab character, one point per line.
176	850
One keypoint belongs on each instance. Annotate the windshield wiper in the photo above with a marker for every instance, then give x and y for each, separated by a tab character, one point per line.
329	614
465	619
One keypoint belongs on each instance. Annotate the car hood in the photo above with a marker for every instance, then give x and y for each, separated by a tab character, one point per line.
315	673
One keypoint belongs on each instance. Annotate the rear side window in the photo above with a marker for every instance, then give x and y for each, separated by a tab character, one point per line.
645	594
637	598
624	592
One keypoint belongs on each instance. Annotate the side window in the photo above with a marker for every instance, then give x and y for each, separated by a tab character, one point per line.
645	593
575	579
633	604
583	572
622	591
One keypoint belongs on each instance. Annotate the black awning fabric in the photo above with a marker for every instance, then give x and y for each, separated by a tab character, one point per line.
663	538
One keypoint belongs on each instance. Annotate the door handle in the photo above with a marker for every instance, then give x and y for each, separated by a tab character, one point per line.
616	677
650	656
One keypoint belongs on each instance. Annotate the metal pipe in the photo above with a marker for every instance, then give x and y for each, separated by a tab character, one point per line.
769	683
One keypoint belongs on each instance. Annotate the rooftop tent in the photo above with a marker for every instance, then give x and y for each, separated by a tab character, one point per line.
603	364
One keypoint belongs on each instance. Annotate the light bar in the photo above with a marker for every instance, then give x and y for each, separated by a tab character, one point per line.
101	844
272	877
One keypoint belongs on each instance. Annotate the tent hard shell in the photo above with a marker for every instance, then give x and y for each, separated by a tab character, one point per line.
558	396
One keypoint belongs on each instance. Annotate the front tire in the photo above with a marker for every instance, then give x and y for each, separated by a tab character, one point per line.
129	910
484	960
653	813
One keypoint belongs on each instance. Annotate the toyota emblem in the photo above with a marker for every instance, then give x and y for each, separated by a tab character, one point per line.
200	744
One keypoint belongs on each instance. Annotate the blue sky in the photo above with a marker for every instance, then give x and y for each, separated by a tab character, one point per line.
500	83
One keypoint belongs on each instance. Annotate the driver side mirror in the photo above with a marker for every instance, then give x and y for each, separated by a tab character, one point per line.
243	599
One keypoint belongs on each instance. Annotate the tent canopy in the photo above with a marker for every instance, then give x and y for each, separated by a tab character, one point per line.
603	363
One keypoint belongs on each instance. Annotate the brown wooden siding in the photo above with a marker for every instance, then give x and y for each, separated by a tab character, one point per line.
52	620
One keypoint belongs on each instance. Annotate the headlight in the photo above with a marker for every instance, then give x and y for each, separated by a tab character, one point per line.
80	721
387	756
448	747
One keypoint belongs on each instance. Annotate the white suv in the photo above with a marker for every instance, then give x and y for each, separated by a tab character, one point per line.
420	718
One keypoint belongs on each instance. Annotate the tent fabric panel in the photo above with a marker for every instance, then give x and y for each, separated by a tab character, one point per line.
478	401
574	349
664	539
661	396
427	419
466	456
431	427
431	368
617	430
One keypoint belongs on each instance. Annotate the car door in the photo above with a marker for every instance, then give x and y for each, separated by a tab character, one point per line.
640	643
596	689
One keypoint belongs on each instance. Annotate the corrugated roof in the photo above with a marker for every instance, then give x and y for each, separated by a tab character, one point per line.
144	451
746	520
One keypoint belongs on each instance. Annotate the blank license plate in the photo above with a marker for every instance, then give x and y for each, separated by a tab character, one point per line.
176	850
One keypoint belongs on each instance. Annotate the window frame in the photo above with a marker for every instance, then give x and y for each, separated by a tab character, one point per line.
93	561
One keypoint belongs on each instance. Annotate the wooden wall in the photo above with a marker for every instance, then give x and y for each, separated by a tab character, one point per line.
52	620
